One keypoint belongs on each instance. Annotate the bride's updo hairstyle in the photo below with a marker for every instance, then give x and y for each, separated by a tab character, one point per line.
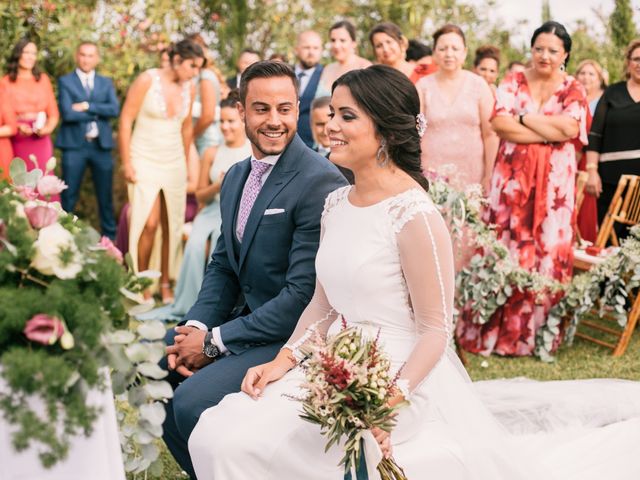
389	98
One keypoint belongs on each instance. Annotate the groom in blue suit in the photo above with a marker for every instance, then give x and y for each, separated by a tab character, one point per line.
262	274
87	102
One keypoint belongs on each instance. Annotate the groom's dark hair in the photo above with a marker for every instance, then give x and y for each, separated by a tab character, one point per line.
266	69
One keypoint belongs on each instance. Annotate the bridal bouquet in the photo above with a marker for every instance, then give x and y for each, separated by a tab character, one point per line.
349	385
63	319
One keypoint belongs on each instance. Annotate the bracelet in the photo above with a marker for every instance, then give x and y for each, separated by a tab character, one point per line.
591	166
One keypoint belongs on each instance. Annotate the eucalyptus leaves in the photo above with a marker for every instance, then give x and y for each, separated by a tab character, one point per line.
491	275
605	287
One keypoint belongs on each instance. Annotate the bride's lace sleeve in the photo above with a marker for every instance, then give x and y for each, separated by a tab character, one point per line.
316	319
319	315
426	257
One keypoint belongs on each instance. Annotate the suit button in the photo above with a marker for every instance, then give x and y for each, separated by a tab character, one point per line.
247	288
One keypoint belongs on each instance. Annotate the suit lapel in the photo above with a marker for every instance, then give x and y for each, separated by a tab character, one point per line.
230	211
282	173
78	83
312	86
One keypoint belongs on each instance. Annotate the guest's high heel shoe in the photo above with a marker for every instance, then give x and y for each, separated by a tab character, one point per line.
166	294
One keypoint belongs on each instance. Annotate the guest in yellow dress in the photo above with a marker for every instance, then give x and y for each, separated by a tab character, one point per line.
154	160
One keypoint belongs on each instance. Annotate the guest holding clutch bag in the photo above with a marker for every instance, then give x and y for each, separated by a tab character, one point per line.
29	94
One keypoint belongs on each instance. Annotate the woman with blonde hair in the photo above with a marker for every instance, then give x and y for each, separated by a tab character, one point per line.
594	79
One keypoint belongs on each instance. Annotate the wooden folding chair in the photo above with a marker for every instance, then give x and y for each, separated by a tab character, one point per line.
624	209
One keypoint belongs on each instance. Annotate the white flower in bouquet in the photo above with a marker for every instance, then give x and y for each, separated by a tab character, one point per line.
56	253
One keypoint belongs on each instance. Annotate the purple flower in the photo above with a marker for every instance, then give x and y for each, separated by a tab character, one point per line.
41	216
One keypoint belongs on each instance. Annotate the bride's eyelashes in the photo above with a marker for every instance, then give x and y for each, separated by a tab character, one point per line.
345	116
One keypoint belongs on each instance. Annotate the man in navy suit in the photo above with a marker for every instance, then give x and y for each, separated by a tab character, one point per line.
308	71
87	102
262	274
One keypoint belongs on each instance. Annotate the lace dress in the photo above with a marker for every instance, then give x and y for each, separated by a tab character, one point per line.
388	268
157	155
452	144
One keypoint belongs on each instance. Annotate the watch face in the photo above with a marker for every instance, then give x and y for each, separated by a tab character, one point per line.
210	350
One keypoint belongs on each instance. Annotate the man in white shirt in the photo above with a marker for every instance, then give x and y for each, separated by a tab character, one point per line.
87	104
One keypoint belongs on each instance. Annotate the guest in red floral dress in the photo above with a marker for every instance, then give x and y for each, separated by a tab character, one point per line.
539	114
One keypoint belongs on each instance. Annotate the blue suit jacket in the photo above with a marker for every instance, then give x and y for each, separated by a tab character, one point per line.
304	120
273	274
103	105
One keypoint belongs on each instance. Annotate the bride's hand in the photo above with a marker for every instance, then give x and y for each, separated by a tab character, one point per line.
257	378
384	441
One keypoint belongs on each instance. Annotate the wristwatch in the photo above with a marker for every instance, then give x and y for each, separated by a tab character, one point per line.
210	349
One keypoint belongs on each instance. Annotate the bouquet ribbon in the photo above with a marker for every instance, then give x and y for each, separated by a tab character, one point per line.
372	454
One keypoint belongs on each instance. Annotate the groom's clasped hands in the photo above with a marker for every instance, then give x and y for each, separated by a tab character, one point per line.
185	355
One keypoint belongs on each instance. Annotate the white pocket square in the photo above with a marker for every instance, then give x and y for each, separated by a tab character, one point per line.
273	211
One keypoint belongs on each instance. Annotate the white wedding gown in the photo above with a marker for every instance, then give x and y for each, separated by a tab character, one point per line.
389	268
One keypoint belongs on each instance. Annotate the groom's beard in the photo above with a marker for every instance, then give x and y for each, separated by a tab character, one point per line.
267	147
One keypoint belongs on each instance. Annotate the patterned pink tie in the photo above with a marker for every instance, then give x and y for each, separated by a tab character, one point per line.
251	191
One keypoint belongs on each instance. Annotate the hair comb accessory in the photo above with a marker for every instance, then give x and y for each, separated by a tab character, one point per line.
421	124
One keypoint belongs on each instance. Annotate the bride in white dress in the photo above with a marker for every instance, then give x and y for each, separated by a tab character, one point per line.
385	264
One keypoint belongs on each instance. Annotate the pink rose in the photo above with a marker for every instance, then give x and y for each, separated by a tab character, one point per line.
112	250
26	192
50	185
44	329
41	216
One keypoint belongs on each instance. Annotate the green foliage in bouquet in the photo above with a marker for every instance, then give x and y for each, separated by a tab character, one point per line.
64	325
349	386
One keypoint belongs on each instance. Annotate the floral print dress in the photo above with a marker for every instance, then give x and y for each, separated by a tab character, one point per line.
531	202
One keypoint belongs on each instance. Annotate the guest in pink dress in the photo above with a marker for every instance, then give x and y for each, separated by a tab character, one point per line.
459	141
29	93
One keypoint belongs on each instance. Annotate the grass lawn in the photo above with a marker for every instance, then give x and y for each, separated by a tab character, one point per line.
582	360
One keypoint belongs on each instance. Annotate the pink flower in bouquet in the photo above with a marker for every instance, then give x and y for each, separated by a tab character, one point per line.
27	192
41	216
50	185
112	250
44	329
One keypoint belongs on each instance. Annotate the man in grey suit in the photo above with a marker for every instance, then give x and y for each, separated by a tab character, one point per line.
262	274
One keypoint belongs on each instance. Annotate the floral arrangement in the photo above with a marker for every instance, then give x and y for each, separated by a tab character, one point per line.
349	386
491	275
63	319
606	287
